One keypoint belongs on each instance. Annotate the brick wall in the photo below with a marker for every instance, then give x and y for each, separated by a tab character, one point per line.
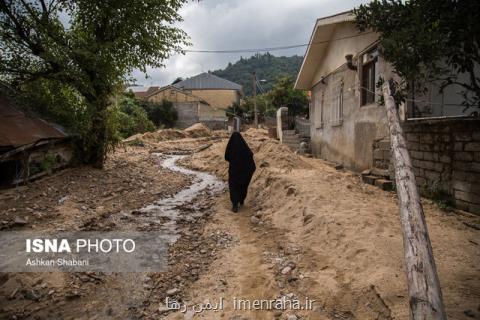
446	152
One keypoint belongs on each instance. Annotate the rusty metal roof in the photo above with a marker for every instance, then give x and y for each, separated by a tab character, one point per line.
16	129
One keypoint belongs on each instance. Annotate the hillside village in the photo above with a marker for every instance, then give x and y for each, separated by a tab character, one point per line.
364	202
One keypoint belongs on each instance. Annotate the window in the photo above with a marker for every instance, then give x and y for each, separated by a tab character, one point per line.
318	110
369	76
337	103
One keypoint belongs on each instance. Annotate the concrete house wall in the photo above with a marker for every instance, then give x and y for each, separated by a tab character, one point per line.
445	150
347	138
171	94
190	108
218	98
186	105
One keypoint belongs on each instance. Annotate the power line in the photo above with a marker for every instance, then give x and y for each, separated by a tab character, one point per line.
260	87
252	50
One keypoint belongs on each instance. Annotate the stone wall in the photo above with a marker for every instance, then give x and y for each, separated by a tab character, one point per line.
446	153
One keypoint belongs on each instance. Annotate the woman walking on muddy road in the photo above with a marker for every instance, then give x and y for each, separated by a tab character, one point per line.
240	170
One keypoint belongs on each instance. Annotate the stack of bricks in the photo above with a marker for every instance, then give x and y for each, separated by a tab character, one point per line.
446	152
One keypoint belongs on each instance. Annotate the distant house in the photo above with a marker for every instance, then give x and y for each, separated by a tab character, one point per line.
202	98
218	92
141	92
190	108
341	68
29	146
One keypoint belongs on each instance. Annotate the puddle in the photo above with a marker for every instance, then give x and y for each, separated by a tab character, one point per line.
165	212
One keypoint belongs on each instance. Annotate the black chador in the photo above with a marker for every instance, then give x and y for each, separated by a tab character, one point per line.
240	170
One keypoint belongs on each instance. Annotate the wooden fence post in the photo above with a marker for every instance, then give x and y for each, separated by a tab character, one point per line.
423	284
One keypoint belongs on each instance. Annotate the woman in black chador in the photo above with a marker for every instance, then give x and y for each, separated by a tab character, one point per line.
240	170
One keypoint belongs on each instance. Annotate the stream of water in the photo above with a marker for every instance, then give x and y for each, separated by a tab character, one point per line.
170	207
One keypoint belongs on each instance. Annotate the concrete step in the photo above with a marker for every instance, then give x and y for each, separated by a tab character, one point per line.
384	184
380	172
378	181
369	179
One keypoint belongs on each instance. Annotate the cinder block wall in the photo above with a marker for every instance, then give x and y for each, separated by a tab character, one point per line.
187	114
447	152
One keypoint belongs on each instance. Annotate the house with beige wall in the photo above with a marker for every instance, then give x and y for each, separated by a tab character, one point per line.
190	108
202	98
218	92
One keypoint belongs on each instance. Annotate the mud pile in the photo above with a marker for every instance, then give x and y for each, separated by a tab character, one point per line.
195	131
347	235
267	153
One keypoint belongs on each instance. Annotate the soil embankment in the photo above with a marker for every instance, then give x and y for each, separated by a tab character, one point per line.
307	231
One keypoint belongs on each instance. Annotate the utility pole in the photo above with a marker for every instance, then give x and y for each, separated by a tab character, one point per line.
423	284
254	83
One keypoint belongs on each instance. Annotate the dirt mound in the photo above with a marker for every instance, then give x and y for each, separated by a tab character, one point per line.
267	153
342	236
198	130
195	131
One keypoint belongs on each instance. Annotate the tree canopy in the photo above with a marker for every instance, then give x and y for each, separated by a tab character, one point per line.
82	50
429	40
282	94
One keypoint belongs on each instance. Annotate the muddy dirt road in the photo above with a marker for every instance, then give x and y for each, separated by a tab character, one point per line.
307	232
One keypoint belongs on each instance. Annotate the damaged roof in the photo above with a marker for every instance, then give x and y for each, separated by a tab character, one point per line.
142	92
17	129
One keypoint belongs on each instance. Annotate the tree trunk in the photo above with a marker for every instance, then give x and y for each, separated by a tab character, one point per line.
95	143
423	284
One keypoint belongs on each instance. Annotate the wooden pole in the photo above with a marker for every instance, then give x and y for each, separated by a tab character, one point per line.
423	284
254	83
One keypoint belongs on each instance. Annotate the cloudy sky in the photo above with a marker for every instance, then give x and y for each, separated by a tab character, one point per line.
240	24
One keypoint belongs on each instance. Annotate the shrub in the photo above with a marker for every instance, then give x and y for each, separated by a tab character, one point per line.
161	114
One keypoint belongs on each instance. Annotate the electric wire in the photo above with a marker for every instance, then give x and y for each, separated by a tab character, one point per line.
253	50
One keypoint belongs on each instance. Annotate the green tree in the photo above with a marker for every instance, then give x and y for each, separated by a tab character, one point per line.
84	49
284	95
129	118
428	40
161	114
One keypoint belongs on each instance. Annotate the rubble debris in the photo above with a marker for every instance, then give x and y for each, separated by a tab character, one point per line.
19	221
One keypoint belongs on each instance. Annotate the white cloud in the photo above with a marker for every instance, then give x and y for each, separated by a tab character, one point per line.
239	24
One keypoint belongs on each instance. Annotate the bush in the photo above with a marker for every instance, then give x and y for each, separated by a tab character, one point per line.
437	193
161	114
129	118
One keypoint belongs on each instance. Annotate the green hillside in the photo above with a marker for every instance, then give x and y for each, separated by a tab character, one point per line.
267	66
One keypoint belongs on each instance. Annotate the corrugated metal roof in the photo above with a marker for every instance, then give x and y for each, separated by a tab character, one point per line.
16	129
207	81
